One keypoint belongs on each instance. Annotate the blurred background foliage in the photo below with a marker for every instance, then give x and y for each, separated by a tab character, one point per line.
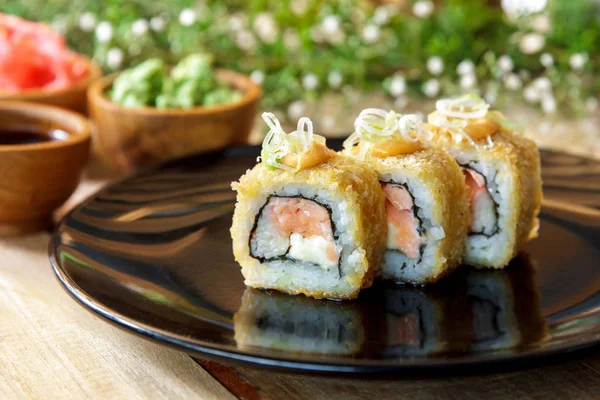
543	52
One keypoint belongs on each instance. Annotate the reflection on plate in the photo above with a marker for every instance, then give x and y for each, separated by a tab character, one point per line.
501	310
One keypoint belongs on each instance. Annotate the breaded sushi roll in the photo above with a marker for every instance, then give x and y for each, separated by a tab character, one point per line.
308	220
426	204
297	324
502	173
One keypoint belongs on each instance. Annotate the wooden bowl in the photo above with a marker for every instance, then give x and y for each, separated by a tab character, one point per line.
36	179
72	98
141	136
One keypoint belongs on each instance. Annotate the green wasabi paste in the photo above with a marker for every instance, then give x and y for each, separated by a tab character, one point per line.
190	83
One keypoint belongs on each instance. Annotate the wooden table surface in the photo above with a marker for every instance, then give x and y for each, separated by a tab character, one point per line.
52	348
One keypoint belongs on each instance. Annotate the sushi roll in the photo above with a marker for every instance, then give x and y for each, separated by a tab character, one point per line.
308	220
296	324
425	196
502	173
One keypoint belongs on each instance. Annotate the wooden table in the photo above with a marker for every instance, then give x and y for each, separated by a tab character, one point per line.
52	348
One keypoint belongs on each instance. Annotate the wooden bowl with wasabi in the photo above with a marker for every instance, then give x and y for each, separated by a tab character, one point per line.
152	113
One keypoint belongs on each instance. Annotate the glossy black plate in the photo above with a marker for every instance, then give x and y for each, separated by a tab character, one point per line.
153	255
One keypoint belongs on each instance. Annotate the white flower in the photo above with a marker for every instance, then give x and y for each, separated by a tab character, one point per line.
331	24
299	7
577	61
516	8
541	23
104	32
468	81
237	22
328	122
505	63
382	15
397	85
548	103
531	94
547	60
114	58
291	40
87	21
531	43
265	27
370	33
423	9
310	81
245	40
401	102
257	77
542	84
139	27
297	109
335	79
591	104
431	88
187	17
465	67
435	65
512	82
157	24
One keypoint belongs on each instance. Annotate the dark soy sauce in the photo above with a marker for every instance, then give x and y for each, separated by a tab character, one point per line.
23	136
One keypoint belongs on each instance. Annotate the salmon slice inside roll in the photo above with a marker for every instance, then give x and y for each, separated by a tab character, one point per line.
413	235
404	227
296	229
484	216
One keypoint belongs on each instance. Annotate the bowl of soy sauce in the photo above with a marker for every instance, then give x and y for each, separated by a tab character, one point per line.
43	151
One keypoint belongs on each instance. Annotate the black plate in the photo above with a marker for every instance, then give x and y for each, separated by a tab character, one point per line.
153	255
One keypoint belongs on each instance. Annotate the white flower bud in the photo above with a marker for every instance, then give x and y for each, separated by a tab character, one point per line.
531	43
465	67
435	65
114	58
139	27
335	79
187	17
547	60
397	85
257	77
577	61
371	33
104	32
512	82
505	63
431	88
310	81
468	81
423	8
87	22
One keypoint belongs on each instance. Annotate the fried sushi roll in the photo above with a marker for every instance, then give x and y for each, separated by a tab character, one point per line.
502	173
308	220
426	204
296	324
